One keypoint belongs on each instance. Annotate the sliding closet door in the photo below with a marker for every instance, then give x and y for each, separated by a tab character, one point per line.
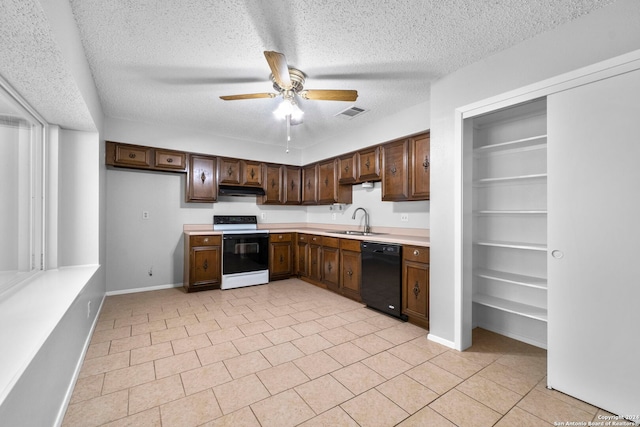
594	243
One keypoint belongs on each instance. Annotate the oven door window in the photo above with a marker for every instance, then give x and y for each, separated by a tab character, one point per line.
244	253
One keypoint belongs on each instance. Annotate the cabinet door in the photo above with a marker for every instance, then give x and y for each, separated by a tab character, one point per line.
251	173
315	258
368	164
272	184
350	277
228	171
302	257
280	257
327	182
331	267
395	173
347	169
420	167
171	160
201	183
130	155
291	185
205	266
415	292
310	185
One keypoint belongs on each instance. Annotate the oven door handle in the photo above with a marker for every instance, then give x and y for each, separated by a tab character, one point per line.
245	236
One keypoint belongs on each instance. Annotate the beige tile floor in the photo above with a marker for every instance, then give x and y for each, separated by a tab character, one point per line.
289	353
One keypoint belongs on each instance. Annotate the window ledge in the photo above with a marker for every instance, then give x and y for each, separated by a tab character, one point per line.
29	313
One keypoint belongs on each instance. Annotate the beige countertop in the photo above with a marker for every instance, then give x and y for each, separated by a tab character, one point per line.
403	236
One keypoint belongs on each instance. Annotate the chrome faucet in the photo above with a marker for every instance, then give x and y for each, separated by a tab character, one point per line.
367	229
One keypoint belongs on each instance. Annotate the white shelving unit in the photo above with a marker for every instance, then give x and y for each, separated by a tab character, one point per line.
510	222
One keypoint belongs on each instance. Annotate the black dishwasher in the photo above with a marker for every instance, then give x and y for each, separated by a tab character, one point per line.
382	277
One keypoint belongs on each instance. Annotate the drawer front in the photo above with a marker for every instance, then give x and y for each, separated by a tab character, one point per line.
415	253
133	156
280	237
316	240
171	159
350	245
331	242
205	240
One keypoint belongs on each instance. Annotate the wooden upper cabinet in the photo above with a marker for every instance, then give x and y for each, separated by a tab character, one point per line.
228	171
132	155
368	164
347	169
310	185
395	171
327	181
201	179
251	173
420	167
291	185
273	175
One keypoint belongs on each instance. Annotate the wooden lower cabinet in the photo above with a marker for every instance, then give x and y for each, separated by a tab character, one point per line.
202	262
280	256
331	262
350	268
314	263
302	248
415	284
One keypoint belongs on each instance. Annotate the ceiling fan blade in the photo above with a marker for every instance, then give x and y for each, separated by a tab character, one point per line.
279	68
329	95
248	96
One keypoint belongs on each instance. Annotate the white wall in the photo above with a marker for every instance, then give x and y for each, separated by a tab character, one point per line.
78	198
603	34
9	215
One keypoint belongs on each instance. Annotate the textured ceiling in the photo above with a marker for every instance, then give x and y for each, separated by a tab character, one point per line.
167	61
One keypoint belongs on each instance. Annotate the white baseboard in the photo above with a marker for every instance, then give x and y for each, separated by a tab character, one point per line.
442	341
145	289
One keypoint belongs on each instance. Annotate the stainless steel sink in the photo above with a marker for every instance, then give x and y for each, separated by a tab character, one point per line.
355	233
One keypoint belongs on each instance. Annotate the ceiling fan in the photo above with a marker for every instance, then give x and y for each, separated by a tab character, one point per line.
289	82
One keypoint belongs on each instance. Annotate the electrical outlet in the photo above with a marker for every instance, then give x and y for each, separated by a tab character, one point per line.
263	215
404	217
333	216
145	214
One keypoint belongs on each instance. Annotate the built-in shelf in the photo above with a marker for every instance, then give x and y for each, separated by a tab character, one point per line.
538	141
513	307
510	179
511	212
513	245
518	279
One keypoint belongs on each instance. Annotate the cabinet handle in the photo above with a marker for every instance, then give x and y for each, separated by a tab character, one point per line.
326	182
252	173
416	252
329	267
281	259
346	168
393	169
293	185
273	183
170	160
425	164
350	273
206	240
280	236
416	289
132	155
205	265
367	164
308	184
229	171
203	177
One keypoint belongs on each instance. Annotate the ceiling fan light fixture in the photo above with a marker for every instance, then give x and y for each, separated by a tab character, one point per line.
288	108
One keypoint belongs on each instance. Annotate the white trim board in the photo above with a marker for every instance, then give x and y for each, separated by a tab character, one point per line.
145	289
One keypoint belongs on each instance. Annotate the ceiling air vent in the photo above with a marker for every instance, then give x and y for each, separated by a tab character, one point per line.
351	112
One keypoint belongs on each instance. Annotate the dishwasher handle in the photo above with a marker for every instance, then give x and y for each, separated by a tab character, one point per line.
384	249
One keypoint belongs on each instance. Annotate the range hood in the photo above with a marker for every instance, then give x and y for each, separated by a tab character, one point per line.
233	190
